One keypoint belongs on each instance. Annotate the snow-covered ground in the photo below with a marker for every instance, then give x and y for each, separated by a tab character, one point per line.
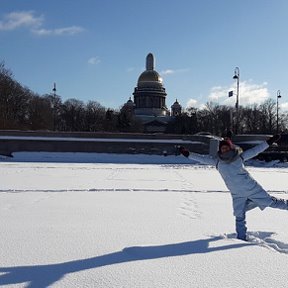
103	220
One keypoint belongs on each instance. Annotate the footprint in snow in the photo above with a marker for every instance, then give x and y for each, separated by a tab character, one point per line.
189	206
264	239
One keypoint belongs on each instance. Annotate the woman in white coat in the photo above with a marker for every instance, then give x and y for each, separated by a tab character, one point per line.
246	192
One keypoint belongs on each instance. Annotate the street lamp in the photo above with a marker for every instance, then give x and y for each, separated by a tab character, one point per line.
277	124
237	77
54	89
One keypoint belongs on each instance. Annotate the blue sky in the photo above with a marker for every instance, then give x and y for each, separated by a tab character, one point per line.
96	49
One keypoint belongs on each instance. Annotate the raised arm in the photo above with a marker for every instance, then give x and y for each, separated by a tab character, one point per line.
252	152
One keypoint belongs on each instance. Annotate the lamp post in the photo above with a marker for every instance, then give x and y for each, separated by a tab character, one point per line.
237	77
53	107
277	111
54	89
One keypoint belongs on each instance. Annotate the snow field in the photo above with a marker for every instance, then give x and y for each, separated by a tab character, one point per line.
135	225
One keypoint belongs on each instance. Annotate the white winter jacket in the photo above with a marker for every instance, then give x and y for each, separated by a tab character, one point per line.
244	189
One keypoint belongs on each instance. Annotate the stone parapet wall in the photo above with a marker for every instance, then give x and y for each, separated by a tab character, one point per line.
17	141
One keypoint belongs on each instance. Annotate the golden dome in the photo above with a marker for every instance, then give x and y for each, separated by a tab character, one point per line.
150	76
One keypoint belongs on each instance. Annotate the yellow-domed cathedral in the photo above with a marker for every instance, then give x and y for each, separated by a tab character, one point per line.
150	100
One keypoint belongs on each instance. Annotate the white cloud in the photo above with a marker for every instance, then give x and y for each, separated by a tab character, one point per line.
283	107
171	71
249	93
167	72
195	104
130	69
34	23
192	103
59	31
16	20
94	60
218	92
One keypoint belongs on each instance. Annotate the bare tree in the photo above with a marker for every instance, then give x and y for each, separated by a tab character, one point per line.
40	114
56	106
94	116
268	116
73	115
14	101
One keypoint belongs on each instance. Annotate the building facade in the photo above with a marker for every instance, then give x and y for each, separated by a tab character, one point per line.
149	103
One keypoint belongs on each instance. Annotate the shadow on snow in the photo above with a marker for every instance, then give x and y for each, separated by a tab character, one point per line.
41	276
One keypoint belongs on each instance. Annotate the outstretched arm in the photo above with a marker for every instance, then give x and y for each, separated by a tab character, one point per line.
250	153
204	159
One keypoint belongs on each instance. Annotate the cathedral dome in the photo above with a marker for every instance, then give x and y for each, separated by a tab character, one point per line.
150	79
150	76
150	95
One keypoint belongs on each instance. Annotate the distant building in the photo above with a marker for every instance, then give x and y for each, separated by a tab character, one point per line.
176	108
150	100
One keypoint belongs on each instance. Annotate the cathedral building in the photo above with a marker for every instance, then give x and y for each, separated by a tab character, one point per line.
149	103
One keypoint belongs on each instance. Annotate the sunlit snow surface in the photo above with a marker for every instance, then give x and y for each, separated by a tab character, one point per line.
104	220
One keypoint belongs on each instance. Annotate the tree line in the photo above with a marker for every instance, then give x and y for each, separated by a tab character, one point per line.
216	119
23	109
